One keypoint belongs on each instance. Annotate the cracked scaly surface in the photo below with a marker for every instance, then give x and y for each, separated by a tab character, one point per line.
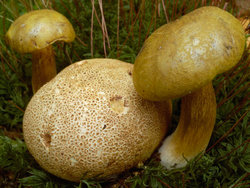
90	122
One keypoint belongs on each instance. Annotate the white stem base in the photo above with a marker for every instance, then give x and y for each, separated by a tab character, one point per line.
169	158
192	135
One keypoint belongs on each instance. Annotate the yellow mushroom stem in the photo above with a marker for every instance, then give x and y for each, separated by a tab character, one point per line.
192	135
43	67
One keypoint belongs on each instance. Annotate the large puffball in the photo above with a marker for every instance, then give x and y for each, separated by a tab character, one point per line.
89	122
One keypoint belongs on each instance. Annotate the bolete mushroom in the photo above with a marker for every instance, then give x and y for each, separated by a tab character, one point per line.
89	122
180	59
35	32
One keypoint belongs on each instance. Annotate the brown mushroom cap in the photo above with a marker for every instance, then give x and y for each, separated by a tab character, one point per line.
89	122
38	29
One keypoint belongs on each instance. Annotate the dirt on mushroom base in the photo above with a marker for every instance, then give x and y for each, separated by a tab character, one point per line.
89	122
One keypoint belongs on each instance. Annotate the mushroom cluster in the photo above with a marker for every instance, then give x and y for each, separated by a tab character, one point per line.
89	122
99	117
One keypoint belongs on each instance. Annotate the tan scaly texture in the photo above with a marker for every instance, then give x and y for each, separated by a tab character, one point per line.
89	122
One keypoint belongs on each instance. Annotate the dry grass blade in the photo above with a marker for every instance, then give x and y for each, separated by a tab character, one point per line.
117	30
92	26
104	29
165	12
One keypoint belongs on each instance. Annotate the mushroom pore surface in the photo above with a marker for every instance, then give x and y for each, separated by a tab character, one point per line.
89	122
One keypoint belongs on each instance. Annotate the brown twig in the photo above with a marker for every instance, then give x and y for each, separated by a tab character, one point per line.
104	29
92	26
230	75
117	30
231	96
142	10
67	54
235	110
2	65
131	30
225	5
244	177
227	133
165	12
165	184
77	55
183	179
151	22
11	102
79	40
69	12
175	8
7	62
182	10
245	142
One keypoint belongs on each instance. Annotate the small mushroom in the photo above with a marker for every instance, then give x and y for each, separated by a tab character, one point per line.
35	32
89	122
180	59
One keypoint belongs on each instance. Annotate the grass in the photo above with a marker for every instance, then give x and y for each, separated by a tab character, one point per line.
226	161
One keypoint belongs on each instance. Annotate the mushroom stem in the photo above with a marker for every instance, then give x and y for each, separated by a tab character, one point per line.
191	137
43	67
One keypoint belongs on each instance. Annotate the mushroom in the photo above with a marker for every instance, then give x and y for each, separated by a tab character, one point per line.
35	32
180	59
89	122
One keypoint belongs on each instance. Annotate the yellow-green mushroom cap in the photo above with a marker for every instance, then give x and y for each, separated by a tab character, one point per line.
185	55
38	29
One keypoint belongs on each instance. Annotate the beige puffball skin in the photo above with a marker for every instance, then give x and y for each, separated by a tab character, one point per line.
89	122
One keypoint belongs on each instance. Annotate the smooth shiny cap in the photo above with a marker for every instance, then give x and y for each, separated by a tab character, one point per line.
38	29
182	56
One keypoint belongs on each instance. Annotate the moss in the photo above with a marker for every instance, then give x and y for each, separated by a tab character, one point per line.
226	162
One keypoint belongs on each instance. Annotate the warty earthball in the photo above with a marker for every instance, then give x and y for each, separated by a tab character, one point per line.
89	122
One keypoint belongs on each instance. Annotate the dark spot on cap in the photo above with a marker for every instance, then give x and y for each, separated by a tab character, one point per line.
34	43
126	104
228	47
104	127
46	139
116	98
